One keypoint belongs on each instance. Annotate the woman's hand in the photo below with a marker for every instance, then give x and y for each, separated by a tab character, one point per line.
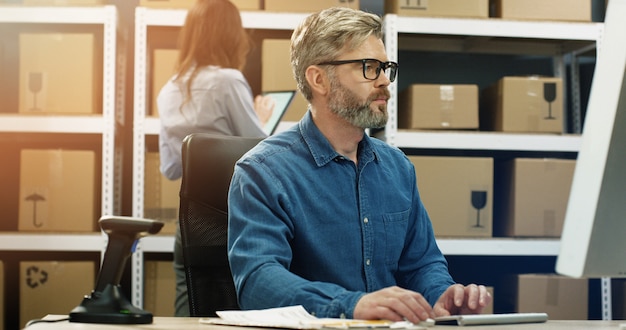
264	106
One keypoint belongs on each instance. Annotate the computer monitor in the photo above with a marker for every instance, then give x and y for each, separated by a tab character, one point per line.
593	241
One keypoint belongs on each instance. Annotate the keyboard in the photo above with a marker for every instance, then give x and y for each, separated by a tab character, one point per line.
485	319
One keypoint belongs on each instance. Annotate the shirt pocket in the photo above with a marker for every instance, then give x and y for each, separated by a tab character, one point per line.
396	225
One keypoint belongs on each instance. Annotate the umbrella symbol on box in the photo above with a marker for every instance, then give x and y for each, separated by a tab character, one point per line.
35	198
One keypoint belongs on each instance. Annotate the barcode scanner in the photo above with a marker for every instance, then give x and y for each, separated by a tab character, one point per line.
107	303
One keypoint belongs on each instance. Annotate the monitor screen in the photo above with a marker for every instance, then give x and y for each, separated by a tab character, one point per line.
593	241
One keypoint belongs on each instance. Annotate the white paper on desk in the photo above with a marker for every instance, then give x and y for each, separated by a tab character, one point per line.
292	317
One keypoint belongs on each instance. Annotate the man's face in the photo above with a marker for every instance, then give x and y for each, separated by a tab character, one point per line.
360	101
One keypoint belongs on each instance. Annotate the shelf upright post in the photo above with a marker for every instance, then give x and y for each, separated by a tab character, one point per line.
139	114
109	110
120	98
111	169
607	306
576	120
391	47
558	70
605	282
573	122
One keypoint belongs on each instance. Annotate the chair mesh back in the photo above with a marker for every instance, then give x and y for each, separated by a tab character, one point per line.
208	162
209	281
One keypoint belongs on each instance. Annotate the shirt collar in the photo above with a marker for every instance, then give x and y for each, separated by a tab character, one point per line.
321	150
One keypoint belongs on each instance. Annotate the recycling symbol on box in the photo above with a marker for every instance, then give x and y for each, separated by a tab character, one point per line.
35	276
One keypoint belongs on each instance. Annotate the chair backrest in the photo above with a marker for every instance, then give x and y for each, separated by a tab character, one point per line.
208	163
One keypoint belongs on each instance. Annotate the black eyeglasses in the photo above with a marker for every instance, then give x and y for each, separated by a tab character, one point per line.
371	67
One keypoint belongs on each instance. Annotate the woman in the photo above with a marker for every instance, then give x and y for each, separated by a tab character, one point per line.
207	93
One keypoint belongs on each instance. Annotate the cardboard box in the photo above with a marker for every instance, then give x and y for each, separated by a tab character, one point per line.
427	106
523	104
3	77
3	64
308	6
457	193
59	73
163	66
53	287
9	88
64	2
248	4
161	196
442	8
186	4
555	10
532	196
57	191
182	4
2	321
561	297
277	75
159	288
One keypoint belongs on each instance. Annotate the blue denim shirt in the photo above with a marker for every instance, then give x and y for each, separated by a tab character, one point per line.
309	227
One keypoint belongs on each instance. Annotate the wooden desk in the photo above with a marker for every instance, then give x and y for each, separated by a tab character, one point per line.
191	323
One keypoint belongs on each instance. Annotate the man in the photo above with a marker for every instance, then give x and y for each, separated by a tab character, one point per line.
326	217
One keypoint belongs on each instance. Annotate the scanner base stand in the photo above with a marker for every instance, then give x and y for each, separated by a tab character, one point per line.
109	307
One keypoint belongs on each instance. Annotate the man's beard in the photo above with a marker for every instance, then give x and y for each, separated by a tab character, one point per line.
344	103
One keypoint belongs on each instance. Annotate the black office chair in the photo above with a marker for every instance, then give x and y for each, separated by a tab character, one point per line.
208	162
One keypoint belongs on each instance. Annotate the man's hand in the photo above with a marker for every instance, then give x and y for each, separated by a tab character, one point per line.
394	304
459	299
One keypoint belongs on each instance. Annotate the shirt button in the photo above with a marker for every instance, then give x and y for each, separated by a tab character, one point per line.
342	316
368	262
366	220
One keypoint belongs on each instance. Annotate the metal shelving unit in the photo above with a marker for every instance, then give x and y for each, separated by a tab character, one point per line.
485	141
496	36
559	40
102	127
93	242
449	246
104	124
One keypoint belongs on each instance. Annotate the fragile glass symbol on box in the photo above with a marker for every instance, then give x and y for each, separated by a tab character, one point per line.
479	201
549	94
36	87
